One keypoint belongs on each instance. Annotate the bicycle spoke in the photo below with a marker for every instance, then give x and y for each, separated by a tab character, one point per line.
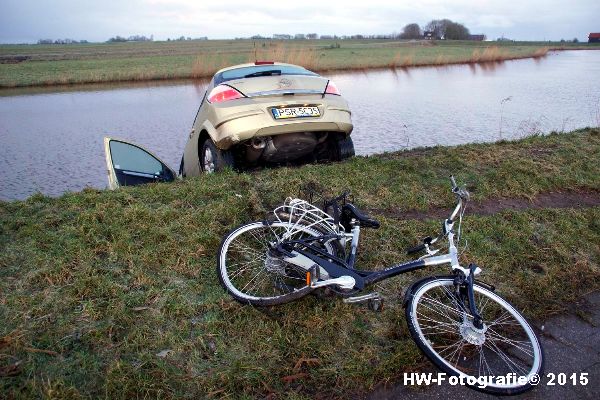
482	363
251	280
512	365
438	311
524	345
447	348
457	350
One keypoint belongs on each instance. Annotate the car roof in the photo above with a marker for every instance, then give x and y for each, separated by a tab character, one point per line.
253	65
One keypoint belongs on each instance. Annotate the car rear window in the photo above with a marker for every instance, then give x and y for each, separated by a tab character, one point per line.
239	73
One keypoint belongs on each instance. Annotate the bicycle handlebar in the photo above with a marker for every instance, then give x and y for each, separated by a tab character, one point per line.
462	196
415	249
341	197
460	192
333	203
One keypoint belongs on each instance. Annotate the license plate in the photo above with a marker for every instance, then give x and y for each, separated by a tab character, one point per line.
295	112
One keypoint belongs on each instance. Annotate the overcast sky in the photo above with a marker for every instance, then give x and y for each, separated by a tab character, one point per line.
29	20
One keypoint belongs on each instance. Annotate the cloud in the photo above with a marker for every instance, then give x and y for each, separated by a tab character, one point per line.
29	20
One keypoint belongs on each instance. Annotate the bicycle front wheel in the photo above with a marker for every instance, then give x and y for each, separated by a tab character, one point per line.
504	357
253	274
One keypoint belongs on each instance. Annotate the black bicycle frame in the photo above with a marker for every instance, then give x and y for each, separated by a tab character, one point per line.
338	267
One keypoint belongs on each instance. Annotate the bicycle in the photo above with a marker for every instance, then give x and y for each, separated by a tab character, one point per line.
459	323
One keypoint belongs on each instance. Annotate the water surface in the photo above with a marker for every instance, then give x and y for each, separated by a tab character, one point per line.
51	142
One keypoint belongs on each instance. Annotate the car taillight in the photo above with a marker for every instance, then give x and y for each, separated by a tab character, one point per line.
332	89
223	93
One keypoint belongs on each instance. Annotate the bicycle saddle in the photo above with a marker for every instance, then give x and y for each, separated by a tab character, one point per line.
349	211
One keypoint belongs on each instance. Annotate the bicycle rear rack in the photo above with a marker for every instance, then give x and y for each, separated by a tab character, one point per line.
300	213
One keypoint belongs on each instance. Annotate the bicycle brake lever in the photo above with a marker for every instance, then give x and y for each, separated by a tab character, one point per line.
429	252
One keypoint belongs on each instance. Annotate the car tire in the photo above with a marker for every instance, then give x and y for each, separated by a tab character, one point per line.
340	148
213	159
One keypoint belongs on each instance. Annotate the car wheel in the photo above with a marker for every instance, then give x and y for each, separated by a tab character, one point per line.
213	159
340	148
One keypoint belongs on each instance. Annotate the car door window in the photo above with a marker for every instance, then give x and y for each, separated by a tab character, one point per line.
133	165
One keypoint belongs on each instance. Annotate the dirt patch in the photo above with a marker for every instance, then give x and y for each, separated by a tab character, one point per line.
13	59
569	199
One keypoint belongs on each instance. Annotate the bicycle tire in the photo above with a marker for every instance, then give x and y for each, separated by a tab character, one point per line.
433	298
289	282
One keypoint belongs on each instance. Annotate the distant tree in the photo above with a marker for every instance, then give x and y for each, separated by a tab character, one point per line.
117	39
438	27
575	40
411	31
139	38
456	31
45	41
312	36
65	41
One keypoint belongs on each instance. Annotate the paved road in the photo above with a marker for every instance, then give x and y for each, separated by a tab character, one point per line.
572	345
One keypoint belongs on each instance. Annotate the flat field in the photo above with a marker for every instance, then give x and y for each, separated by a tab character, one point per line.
36	65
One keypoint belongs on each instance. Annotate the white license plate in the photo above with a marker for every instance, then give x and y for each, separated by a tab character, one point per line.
295	112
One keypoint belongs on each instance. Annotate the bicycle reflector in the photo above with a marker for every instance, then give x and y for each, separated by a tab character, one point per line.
223	93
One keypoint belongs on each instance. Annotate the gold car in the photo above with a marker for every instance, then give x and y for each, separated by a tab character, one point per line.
264	113
267	113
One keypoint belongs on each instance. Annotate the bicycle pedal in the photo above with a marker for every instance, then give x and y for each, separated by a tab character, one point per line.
363	298
375	304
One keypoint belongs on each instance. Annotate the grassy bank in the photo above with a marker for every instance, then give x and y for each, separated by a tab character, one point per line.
114	294
34	65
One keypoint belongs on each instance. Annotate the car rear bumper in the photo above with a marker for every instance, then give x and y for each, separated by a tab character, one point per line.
256	120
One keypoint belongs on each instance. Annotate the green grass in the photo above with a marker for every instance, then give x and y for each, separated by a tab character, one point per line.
93	63
103	281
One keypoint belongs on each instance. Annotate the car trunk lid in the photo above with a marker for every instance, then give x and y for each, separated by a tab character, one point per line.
278	85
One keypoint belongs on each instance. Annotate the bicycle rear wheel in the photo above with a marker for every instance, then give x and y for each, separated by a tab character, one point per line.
506	347
250	271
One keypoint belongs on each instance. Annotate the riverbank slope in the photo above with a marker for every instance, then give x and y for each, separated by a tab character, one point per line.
115	293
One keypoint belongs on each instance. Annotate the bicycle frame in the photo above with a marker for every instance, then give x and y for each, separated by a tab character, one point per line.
343	274
338	267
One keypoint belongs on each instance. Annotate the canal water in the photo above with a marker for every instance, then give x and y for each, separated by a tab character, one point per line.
51	139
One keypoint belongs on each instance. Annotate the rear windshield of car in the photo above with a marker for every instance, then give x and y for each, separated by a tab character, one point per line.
261	70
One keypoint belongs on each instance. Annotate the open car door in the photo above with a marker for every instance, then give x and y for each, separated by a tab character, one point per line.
128	164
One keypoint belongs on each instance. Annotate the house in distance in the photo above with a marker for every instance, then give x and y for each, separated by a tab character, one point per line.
594	37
